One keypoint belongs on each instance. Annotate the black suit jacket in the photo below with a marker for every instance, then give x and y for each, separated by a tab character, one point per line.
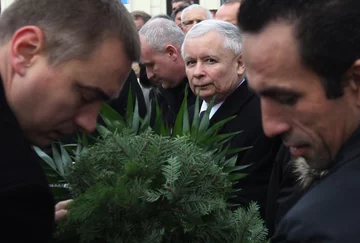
246	106
283	191
329	210
26	202
120	103
169	102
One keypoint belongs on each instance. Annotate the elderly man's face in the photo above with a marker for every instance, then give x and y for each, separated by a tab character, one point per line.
192	17
293	100
211	68
228	13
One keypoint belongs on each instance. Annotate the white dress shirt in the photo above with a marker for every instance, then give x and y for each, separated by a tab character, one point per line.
214	109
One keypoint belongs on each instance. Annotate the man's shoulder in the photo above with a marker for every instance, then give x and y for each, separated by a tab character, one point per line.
19	163
328	212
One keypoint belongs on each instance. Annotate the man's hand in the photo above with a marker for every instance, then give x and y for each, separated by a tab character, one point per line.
60	210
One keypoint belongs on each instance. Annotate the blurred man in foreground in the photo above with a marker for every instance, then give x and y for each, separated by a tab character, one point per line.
59	63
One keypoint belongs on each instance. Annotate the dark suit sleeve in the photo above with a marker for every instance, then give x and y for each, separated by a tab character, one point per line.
299	231
261	159
27	213
120	103
283	192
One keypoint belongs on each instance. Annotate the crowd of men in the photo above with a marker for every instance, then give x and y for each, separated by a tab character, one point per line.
289	71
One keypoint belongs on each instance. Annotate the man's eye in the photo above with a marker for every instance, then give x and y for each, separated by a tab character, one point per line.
190	63
188	23
149	65
210	60
287	100
87	98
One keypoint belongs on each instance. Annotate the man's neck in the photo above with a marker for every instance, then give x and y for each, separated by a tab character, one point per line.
179	74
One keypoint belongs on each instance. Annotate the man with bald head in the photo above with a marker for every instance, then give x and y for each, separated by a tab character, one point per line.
228	11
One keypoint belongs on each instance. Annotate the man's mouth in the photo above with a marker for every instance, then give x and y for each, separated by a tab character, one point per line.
56	135
298	150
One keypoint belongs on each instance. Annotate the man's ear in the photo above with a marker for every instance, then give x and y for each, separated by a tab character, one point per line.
25	44
172	52
240	65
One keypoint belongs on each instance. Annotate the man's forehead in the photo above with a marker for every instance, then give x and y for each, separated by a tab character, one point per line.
195	13
273	45
211	38
229	8
146	49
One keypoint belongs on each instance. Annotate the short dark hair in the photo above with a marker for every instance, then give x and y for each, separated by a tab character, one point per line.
72	28
179	9
185	1
141	14
327	31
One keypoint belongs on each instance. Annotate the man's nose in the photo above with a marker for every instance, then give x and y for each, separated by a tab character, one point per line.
274	120
86	119
198	70
149	74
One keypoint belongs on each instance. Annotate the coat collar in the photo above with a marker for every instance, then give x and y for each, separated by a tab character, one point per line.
308	176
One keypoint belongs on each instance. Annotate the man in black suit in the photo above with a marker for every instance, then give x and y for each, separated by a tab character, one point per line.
212	53
161	41
302	59
60	60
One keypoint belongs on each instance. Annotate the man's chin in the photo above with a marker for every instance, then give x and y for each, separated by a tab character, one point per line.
43	141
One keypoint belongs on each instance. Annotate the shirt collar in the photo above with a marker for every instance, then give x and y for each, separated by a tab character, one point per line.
205	105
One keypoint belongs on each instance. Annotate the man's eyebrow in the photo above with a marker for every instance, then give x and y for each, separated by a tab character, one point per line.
101	93
209	57
273	91
186	59
147	63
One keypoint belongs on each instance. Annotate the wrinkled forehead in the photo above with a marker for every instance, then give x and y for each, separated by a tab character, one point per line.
196	13
211	44
148	54
228	12
146	49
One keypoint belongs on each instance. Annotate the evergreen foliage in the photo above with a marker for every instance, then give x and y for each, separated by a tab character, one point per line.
137	184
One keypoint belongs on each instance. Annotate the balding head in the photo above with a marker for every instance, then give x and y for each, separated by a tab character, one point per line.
228	11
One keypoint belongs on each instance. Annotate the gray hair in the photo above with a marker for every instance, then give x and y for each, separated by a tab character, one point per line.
229	32
196	6
73	29
160	32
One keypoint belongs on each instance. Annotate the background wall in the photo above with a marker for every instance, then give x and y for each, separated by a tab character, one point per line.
152	7
5	4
